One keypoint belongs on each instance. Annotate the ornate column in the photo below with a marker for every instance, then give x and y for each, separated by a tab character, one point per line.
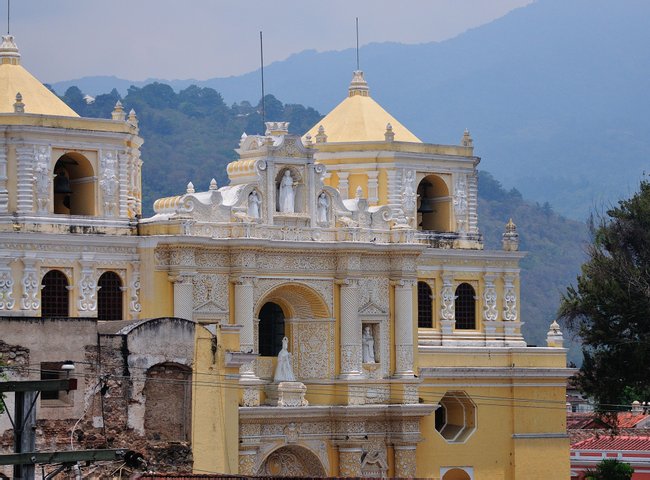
4	193
247	459
350	460
351	366
183	294
87	302
490	312
447	306
404	328
343	187
7	300
405	461
472	201
25	179
30	302
373	185
512	325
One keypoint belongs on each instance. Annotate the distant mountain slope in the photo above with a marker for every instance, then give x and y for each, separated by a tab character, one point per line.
555	95
190	136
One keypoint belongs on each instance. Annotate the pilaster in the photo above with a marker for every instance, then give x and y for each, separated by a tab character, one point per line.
373	187
4	193
404	328
405	466
344	186
25	156
30	302
183	294
351	354
350	460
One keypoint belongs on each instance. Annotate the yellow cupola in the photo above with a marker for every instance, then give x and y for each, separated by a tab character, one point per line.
34	96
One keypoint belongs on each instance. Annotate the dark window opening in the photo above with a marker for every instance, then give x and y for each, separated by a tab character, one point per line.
54	294
51	371
109	297
425	307
271	329
465	306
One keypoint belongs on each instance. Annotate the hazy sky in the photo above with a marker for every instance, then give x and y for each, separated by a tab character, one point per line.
138	39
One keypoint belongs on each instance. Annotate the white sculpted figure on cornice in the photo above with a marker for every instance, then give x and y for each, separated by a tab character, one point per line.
322	208
42	178
286	195
284	370
254	204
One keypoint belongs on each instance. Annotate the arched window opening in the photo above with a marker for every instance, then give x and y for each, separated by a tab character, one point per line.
74	185
271	329
168	407
109	297
54	294
465	306
425	307
434	205
456	474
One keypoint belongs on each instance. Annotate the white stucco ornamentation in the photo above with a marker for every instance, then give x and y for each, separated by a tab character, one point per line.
509	300
7	301
490	312
109	183
460	202
30	284
87	291
134	296
42	178
408	193
447	311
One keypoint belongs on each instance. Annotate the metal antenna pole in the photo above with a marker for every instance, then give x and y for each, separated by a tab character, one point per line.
262	70
8	10
357	43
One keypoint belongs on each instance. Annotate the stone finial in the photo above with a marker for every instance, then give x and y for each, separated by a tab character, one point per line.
636	407
133	119
510	238
358	85
389	135
190	188
321	137
213	184
242	138
308	142
277	129
359	192
467	141
118	112
19	106
9	51
554	337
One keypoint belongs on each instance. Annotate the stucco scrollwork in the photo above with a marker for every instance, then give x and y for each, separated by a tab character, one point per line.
30	284
460	202
134	296
42	178
87	291
509	300
210	292
310	347
490	312
7	301
373	295
109	183
448	310
182	257
247	463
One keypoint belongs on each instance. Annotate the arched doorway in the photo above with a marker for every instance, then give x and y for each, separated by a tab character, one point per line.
109	297
168	405
292	461
54	294
74	185
434	205
456	474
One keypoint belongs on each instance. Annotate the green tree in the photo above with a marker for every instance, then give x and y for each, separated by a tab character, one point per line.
610	469
610	306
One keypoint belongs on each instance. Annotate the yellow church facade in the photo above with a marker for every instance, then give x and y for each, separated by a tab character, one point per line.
348	321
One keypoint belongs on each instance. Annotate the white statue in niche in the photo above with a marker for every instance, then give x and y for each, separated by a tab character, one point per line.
284	371
368	345
287	193
254	202
322	208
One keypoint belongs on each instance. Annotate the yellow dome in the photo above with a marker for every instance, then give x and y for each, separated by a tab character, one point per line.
15	79
359	118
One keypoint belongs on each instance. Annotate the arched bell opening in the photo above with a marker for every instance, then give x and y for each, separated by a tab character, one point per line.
74	185
434	205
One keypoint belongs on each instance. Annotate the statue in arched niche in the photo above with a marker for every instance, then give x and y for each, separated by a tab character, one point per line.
368	343
322	208
254	203
287	194
284	370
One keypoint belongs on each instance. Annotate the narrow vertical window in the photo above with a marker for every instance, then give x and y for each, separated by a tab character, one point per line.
425	309
54	294
271	329
109	297
465	306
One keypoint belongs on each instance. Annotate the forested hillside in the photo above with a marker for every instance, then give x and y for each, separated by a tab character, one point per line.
191	136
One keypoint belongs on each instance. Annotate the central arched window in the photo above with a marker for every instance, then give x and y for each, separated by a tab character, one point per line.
109	297
271	329
465	306
425	307
54	294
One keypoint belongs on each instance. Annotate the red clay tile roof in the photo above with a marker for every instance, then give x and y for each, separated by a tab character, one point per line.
609	443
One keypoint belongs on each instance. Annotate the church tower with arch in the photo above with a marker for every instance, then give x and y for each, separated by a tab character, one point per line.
331	311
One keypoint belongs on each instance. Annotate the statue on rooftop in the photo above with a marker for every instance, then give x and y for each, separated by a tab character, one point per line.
254	202
322	208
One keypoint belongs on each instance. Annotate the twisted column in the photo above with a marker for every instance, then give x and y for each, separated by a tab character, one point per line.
350	330
404	328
